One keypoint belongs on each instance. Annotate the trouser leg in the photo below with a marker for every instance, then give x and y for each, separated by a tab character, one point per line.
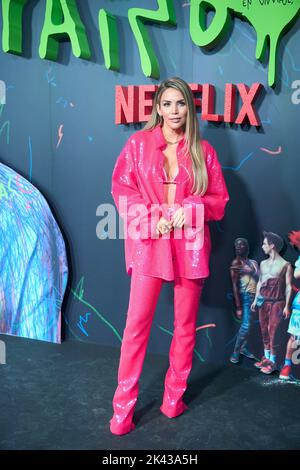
264	313
144	293
276	315
187	293
247	320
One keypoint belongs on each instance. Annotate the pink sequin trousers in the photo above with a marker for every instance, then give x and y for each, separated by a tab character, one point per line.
144	294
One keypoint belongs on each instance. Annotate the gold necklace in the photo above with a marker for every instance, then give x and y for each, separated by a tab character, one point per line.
172	143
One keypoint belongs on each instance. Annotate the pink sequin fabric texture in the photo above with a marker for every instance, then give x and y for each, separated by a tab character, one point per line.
139	177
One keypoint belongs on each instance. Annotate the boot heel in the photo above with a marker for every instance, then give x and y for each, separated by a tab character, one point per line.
120	429
171	413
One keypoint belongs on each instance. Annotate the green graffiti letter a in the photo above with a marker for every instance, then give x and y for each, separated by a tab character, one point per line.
62	22
12	13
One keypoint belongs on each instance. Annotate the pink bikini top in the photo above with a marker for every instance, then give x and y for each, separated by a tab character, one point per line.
168	180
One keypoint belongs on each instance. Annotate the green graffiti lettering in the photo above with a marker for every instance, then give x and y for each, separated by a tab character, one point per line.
109	39
12	14
208	37
269	19
137	19
63	23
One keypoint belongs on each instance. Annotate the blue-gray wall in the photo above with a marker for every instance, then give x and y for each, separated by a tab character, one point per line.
75	177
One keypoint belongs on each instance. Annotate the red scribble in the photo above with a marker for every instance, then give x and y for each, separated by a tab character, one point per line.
294	238
202	327
20	187
295	289
272	152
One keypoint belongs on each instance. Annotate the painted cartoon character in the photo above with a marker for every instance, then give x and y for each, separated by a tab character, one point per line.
273	295
294	324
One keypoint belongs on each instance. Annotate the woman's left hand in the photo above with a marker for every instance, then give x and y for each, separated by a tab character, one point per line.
178	218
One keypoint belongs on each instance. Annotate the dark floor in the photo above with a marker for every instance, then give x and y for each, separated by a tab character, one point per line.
59	397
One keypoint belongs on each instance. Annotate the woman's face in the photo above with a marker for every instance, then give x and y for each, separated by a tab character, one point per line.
173	108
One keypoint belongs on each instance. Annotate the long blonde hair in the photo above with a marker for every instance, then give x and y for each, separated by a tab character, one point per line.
192	132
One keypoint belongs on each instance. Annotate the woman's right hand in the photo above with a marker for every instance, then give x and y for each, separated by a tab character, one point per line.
253	306
163	226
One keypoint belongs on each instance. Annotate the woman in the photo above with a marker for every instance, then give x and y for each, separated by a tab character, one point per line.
175	185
